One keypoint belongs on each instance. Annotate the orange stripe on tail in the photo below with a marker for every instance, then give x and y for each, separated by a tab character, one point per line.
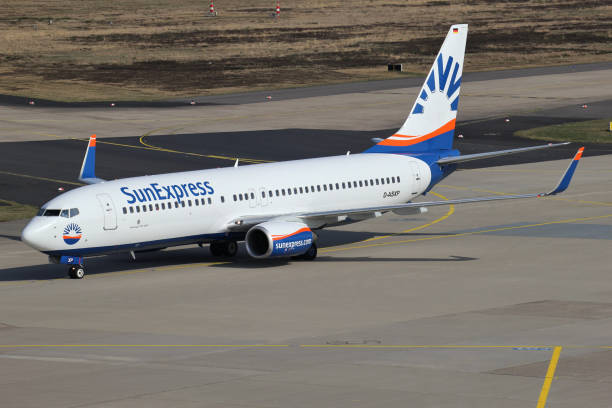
411	140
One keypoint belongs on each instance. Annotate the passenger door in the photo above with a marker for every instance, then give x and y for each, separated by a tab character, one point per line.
108	208
253	199
415	179
264	196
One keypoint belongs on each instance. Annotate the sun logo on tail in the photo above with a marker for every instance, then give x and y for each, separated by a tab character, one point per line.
72	234
443	84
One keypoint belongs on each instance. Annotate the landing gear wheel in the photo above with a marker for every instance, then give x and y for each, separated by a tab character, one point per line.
76	272
311	254
216	248
230	248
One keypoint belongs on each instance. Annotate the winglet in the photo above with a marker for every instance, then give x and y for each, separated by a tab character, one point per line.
88	169
567	176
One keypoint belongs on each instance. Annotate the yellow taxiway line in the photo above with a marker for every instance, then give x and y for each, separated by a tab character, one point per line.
550	374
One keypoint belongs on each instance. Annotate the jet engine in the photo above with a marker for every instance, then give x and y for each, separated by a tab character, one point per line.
280	239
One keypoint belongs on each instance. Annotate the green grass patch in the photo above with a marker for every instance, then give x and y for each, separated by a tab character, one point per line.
10	210
591	131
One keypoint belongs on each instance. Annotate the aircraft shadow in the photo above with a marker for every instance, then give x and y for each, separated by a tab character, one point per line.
11	237
195	255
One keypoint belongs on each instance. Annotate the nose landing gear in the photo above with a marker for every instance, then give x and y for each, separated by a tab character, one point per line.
76	272
223	248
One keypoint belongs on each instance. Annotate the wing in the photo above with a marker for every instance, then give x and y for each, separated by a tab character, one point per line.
318	219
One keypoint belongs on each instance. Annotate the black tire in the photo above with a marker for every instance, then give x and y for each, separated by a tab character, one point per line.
311	254
230	248
76	272
216	248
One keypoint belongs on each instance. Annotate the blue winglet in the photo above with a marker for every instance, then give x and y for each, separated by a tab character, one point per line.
567	176
88	169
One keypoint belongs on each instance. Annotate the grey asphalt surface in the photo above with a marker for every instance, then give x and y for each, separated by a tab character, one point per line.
61	159
458	307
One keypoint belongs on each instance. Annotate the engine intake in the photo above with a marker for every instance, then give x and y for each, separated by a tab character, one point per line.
278	239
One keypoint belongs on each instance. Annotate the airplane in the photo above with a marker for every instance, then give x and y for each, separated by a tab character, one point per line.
275	208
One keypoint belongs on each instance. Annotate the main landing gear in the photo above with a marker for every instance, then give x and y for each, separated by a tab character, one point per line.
76	272
309	255
223	248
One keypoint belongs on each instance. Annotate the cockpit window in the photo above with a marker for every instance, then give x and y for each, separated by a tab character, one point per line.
41	212
74	212
64	214
51	213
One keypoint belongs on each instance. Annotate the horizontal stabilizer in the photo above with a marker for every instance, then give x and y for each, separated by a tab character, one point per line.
487	155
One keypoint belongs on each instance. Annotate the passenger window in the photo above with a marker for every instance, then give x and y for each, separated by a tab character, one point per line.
210	200
263	194
176	204
65	214
294	190
376	181
163	206
312	190
349	184
387	180
365	183
189	202
283	191
343	185
131	210
318	187
183	204
144	208
246	196
337	186
156	207
360	183
331	186
270	193
137	208
252	196
355	184
306	189
288	191
124	210
382	181
371	182
301	190
74	212
393	179
324	187
150	207
240	197
277	193
398	180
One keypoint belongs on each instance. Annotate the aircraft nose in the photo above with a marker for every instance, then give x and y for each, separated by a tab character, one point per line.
33	234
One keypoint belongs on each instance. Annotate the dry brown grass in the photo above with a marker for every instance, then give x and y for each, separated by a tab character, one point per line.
164	48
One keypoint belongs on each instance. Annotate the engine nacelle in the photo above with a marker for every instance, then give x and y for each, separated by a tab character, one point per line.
278	239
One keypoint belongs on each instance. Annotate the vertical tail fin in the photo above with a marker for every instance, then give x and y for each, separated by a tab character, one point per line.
431	123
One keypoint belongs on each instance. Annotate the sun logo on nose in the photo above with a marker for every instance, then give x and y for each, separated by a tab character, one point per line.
72	234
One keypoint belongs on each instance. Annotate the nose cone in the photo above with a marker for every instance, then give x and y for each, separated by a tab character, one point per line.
36	233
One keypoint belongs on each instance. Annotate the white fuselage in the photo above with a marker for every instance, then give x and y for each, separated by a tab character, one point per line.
196	206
